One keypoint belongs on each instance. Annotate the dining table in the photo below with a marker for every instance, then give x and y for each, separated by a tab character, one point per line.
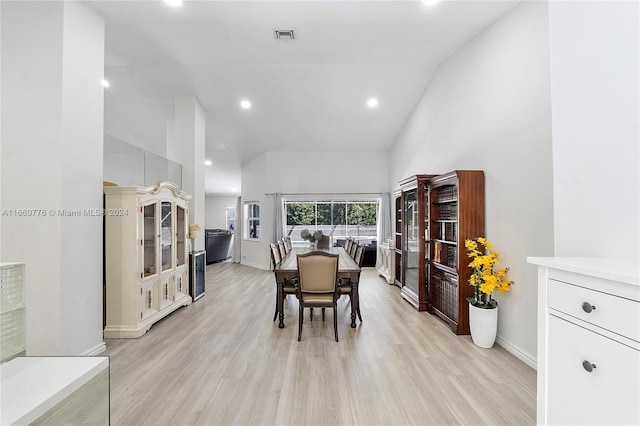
287	269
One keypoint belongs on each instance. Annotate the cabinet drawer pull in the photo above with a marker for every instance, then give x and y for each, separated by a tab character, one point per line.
588	307
588	366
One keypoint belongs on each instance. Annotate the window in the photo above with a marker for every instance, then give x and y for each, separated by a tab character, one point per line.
231	219
252	215
337	219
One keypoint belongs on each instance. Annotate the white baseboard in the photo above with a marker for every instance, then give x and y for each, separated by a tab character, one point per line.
255	265
97	349
523	356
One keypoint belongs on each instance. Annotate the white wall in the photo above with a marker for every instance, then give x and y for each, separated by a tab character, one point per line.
215	213
185	132
216	210
308	172
52	129
595	47
255	177
488	108
123	163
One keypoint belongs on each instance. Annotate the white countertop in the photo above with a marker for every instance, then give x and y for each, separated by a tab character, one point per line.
30	386
621	270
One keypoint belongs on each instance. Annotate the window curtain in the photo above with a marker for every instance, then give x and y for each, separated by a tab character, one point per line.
237	235
384	220
278	212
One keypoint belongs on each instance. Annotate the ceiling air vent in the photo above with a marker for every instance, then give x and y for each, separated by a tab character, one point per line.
283	34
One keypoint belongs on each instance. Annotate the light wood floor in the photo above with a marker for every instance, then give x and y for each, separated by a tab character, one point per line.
222	361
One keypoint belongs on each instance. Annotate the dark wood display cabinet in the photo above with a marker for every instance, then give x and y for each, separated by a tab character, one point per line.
414	244
457	214
438	213
398	238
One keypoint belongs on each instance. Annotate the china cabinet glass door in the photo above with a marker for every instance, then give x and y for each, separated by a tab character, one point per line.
181	235
410	255
166	233
149	240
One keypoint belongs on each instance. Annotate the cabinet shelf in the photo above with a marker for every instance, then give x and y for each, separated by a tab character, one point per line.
452	200
444	267
455	243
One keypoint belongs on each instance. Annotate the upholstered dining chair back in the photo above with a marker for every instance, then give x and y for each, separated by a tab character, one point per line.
317	272
287	244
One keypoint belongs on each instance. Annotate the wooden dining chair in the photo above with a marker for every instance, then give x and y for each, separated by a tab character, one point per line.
324	242
359	255
347	244
345	285
287	244
317	285
283	251
288	286
352	250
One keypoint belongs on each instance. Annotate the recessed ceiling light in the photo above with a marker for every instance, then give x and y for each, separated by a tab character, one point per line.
245	104
207	162
105	83
430	3
173	3
234	189
372	103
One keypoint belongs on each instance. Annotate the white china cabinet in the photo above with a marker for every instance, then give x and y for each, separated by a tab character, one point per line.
146	256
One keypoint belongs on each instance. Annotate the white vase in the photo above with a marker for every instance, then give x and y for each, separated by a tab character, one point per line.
484	325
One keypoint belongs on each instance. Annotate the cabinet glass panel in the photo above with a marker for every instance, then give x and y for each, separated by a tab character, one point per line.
446	225
181	235
149	239
411	240
166	234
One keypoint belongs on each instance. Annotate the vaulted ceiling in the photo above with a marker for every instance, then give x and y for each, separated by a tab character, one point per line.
307	94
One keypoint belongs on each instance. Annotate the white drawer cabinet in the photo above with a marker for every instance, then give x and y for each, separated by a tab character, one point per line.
386	258
588	341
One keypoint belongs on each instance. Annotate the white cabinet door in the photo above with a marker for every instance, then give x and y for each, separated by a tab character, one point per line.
166	290
181	282
606	395
148	300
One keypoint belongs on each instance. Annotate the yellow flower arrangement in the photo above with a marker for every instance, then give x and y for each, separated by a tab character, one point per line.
193	230
486	278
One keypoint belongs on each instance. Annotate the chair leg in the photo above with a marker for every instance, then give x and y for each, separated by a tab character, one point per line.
300	314
335	319
311	314
358	312
322	314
